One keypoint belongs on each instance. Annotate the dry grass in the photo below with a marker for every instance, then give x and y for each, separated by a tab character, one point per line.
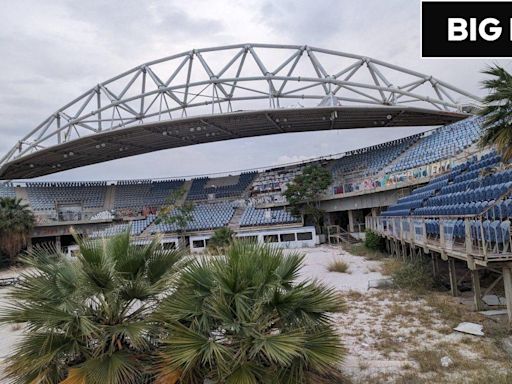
389	266
491	376
338	266
352	295
450	309
360	249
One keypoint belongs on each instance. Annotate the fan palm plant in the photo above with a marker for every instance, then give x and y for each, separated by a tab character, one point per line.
220	240
86	319
497	111
16	222
243	319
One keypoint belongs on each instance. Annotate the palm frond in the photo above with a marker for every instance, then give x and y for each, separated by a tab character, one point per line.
497	111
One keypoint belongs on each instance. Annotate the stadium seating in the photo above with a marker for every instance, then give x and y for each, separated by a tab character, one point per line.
442	143
204	217
144	193
256	217
477	187
200	191
7	190
45	195
136	228
466	190
274	180
370	160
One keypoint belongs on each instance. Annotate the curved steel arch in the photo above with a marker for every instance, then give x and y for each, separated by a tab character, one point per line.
186	84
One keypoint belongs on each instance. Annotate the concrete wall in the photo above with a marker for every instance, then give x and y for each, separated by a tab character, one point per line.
371	200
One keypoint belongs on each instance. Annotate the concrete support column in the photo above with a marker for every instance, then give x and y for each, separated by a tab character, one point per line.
507	282
453	276
351	221
477	295
435	265
57	243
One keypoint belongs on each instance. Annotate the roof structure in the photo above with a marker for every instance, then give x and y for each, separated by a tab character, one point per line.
229	92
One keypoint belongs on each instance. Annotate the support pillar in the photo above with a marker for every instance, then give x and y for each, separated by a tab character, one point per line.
507	282
453	276
375	212
477	295
351	221
435	266
57	243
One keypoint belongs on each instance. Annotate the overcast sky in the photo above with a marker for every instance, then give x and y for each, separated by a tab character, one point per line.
52	51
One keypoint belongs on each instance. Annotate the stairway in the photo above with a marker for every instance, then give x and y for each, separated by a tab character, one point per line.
110	196
336	234
234	223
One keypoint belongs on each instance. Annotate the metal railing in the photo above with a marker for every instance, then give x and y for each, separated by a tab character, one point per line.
486	236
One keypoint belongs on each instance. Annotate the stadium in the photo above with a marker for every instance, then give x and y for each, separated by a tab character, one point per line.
435	195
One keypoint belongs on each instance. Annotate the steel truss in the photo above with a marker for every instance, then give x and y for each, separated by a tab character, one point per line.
237	77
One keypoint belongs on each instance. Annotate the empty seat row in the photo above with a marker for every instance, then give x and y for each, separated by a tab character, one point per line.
442	143
200	191
204	217
255	217
493	231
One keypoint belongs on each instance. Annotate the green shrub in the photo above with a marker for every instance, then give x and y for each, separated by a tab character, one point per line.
86	318
413	276
220	240
373	241
244	318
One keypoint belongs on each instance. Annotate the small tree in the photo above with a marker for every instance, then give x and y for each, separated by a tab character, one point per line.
305	190
244	318
497	111
177	211
16	222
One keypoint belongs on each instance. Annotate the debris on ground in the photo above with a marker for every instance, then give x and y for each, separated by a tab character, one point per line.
494	312
493	300
380	283
470	328
446	361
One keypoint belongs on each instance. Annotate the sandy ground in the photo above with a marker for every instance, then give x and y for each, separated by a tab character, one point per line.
390	336
360	271
397	337
8	334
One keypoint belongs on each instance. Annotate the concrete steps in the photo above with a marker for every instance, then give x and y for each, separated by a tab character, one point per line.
234	223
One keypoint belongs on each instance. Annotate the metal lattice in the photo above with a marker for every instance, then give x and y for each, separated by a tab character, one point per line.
237	77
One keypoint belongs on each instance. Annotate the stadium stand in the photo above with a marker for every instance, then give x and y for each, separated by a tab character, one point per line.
45	195
370	160
7	190
144	193
200	189
204	217
136	228
446	194
274	180
442	143
257	217
468	189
